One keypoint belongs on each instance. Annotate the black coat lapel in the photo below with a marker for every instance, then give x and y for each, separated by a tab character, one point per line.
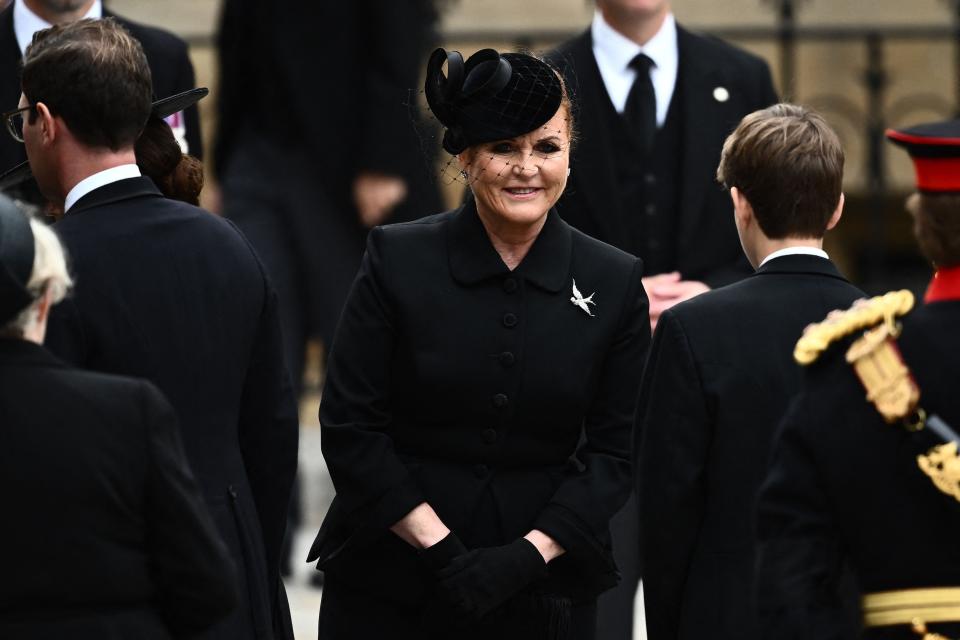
704	119
593	166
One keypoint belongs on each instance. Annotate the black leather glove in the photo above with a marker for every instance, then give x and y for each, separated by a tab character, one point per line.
478	581
438	555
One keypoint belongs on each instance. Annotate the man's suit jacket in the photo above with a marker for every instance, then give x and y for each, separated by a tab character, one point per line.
169	292
166	54
707	247
719	377
105	532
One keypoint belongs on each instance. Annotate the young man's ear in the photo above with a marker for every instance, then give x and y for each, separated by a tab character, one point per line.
742	210
837	213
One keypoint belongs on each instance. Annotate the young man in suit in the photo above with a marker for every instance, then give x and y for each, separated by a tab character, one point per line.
167	292
642	172
170	66
720	375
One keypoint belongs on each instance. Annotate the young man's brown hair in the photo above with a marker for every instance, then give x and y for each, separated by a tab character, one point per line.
95	76
788	163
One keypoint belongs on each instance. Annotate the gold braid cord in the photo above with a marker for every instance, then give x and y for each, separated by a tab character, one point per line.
920	628
838	324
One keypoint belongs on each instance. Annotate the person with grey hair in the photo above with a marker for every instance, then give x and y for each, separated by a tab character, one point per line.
106	534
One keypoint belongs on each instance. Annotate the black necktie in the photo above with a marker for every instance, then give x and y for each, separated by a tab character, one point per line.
641	108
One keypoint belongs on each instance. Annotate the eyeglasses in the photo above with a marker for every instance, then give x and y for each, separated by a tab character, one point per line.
14	121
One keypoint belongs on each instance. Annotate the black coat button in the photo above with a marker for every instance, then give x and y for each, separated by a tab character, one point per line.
509	320
651	209
650	179
499	400
653	244
480	470
507	359
510	285
489	436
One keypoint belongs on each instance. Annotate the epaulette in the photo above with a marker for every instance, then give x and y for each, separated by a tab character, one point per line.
864	313
874	356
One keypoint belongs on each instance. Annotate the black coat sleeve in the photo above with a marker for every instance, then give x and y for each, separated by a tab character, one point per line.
373	485
269	431
671	445
800	564
195	578
578	515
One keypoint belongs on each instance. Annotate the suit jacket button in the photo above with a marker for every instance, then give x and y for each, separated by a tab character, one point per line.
499	400
509	320
489	436
507	359
480	470
510	285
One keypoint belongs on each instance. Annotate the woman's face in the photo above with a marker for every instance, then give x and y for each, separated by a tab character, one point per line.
516	181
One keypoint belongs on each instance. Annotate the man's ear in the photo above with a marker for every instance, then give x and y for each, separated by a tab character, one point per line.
837	213
47	123
742	210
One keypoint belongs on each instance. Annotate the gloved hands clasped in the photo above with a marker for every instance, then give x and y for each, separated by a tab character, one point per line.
476	582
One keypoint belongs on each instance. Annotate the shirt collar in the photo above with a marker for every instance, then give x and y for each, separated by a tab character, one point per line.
99	179
26	22
794	251
473	258
619	50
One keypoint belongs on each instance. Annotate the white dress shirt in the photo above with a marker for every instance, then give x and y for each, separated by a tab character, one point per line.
613	52
26	22
796	251
97	180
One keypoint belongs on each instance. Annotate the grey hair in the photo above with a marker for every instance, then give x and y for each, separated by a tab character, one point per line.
49	275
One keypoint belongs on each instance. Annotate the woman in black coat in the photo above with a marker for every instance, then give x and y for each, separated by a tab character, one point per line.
105	533
480	390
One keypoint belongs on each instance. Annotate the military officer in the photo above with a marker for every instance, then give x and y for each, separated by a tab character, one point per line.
865	471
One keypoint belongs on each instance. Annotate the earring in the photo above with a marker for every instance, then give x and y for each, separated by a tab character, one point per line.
569	169
464	174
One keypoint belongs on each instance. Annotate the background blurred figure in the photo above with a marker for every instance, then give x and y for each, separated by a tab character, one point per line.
166	53
721	374
105	532
317	143
865	467
655	103
168	292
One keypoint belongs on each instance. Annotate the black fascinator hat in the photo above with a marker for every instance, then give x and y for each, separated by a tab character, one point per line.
491	96
16	260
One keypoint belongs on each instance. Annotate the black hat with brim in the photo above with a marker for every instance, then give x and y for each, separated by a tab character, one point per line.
934	148
161	108
491	96
16	260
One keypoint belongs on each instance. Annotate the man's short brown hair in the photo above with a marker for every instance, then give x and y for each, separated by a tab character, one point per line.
95	76
936	223
788	163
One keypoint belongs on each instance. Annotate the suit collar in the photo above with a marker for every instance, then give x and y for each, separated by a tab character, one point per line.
23	352
115	192
800	263
473	258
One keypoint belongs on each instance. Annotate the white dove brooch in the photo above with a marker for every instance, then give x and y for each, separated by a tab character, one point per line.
582	302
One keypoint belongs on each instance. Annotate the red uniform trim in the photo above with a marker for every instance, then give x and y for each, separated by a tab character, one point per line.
945	285
937	174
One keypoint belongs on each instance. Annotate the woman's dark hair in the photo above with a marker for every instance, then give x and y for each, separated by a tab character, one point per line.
178	176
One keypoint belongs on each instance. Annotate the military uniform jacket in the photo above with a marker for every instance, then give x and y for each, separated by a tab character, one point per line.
454	381
169	292
105	533
845	485
719	377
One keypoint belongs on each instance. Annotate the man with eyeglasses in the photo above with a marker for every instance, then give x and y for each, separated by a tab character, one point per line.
168	292
166	54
